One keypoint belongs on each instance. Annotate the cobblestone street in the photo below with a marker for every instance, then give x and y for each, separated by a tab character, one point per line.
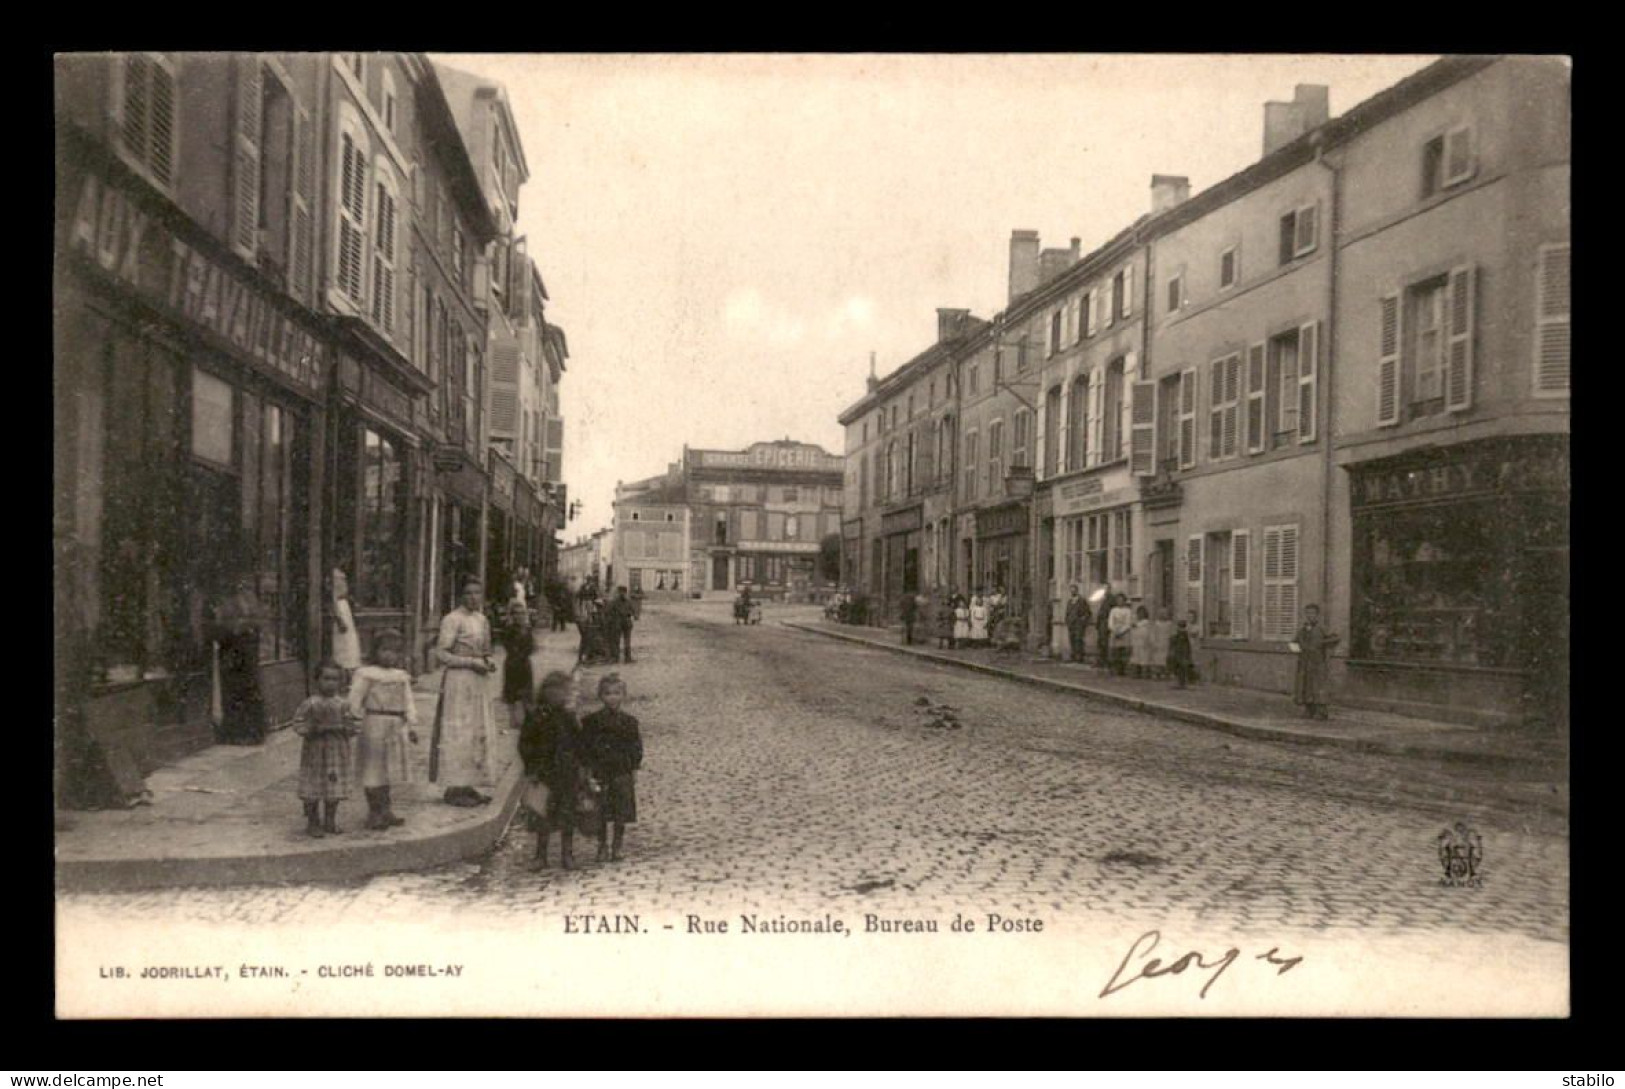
790	774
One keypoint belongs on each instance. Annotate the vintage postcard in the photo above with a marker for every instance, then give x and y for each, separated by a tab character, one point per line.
811	535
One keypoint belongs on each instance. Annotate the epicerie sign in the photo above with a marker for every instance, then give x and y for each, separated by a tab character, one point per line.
128	243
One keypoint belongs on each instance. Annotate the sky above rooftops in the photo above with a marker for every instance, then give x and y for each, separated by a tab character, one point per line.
726	238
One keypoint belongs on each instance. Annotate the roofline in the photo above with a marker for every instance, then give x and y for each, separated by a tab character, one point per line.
938	352
462	161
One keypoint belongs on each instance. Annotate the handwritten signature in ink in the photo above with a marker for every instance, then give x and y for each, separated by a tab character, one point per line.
1194	960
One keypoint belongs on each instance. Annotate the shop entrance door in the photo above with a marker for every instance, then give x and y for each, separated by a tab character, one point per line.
719	572
214	542
1162	575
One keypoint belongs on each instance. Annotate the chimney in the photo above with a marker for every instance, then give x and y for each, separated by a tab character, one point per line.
1284	122
1023	262
1051	263
949	323
874	379
1168	190
1077	250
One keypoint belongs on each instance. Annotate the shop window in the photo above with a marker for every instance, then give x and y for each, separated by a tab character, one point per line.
277	495
1073	566
141	577
1428	588
1122	545
382	582
214	418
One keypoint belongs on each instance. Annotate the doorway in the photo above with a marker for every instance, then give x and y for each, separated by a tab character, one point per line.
719	572
1162	575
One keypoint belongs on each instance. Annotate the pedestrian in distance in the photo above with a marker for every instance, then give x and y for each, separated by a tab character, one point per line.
518	641
909	608
1313	644
325	723
1162	633
1077	622
620	620
614	752
944	616
346	642
551	754
978	620
237	623
1140	660
1181	662
381	697
1121	622
465	734
1103	631
961	635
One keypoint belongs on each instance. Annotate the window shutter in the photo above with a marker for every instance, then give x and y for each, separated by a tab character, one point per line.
1215	410
1063	407
1049	335
135	130
1307	229
1143	429
1097	413
1128	290
1109	299
1308	379
1187	418
1388	361
1458	367
163	131
1193	583
1232	398
1255	399
1240	557
1289	581
1280	581
1041	470
1077	319
299	222
1090	318
352	208
1458	155
1552	321
245	210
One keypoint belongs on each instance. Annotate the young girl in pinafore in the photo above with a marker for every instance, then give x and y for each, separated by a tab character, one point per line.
324	721
381	696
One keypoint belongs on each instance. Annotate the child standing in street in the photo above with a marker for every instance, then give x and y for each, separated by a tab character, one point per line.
550	751
614	750
324	721
381	697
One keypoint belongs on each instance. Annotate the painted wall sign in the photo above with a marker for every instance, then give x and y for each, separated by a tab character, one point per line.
808	547
128	243
900	521
1093	492
1454	474
1001	521
771	456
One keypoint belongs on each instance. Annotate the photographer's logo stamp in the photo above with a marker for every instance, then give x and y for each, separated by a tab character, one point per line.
1461	854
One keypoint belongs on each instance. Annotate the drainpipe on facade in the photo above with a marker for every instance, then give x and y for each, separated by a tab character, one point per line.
1324	382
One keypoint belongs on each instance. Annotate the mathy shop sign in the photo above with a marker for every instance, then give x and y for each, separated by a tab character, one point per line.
1497	469
130	244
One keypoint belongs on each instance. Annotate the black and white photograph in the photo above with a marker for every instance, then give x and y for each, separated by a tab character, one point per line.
811	535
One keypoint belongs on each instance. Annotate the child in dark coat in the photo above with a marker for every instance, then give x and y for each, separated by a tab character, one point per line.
614	752
1180	659
550	748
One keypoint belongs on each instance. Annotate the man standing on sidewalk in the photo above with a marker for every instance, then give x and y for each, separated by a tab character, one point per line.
1077	622
910	609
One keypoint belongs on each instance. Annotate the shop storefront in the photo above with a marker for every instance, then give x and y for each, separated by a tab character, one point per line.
901	531
500	534
188	442
1460	579
375	515
1002	552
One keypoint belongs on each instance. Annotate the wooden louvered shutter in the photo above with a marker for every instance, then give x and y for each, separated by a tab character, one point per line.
383	259
1128	290
1256	440
352	211
1552	321
1388	361
1232	403
1063	425
1458	367
1077	319
1280	581
1240	600
1215	410
1097	414
1143	429
163	131
1308	380
925	465
245	174
1187	418
300	225
134	94
1307	229
1193	583
1046	466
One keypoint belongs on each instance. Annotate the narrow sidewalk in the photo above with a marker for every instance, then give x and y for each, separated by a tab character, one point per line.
230	815
1241	711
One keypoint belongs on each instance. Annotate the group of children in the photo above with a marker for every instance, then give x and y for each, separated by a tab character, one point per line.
578	771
